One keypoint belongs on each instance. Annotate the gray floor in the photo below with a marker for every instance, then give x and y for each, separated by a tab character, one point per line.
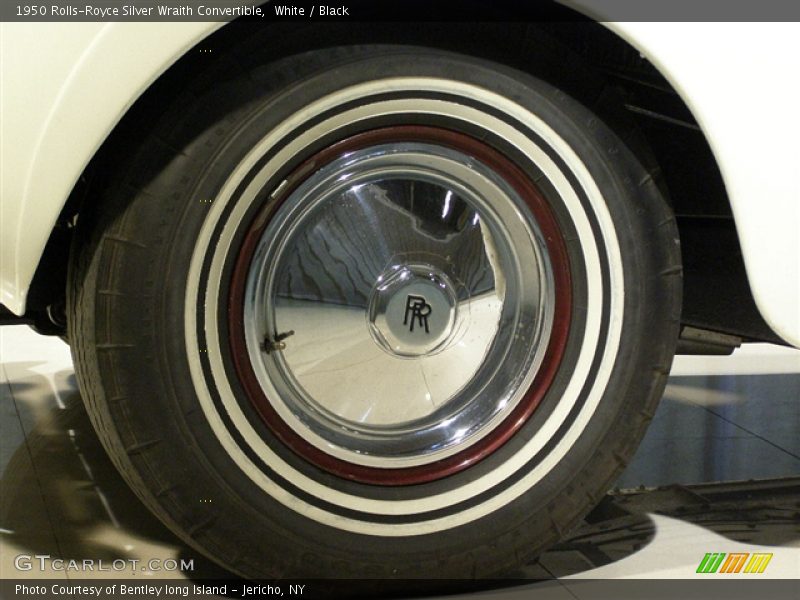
721	428
61	495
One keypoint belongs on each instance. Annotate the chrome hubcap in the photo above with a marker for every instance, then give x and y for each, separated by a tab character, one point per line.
419	293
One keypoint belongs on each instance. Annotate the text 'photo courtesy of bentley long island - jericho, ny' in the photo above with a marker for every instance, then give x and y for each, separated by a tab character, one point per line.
399	300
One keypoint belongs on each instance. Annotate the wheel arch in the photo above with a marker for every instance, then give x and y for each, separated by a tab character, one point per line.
605	71
95	69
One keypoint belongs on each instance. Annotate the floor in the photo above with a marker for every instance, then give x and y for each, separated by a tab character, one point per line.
724	447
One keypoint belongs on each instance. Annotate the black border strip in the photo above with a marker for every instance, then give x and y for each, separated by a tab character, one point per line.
713	586
148	11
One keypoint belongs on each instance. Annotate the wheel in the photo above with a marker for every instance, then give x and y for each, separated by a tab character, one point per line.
374	312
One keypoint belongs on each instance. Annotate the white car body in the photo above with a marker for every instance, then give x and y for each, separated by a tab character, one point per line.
66	85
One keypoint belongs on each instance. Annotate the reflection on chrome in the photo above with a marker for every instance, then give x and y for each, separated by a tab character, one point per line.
420	295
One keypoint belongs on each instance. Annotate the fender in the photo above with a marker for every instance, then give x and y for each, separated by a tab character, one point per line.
66	85
64	88
739	81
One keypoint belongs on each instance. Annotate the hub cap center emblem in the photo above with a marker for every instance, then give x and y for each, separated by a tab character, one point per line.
413	310
419	311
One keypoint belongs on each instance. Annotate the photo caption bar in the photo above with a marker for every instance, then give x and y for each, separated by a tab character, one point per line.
406	10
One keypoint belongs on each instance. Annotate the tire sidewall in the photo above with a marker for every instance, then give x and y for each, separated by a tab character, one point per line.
278	538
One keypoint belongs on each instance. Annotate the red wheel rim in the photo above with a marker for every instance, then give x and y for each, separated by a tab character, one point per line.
514	421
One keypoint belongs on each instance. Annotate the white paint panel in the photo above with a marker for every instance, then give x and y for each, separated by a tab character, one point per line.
741	82
64	86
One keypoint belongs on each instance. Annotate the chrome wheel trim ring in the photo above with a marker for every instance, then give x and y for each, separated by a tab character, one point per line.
477	401
204	356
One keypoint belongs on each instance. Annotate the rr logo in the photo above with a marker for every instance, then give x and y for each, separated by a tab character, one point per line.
418	310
